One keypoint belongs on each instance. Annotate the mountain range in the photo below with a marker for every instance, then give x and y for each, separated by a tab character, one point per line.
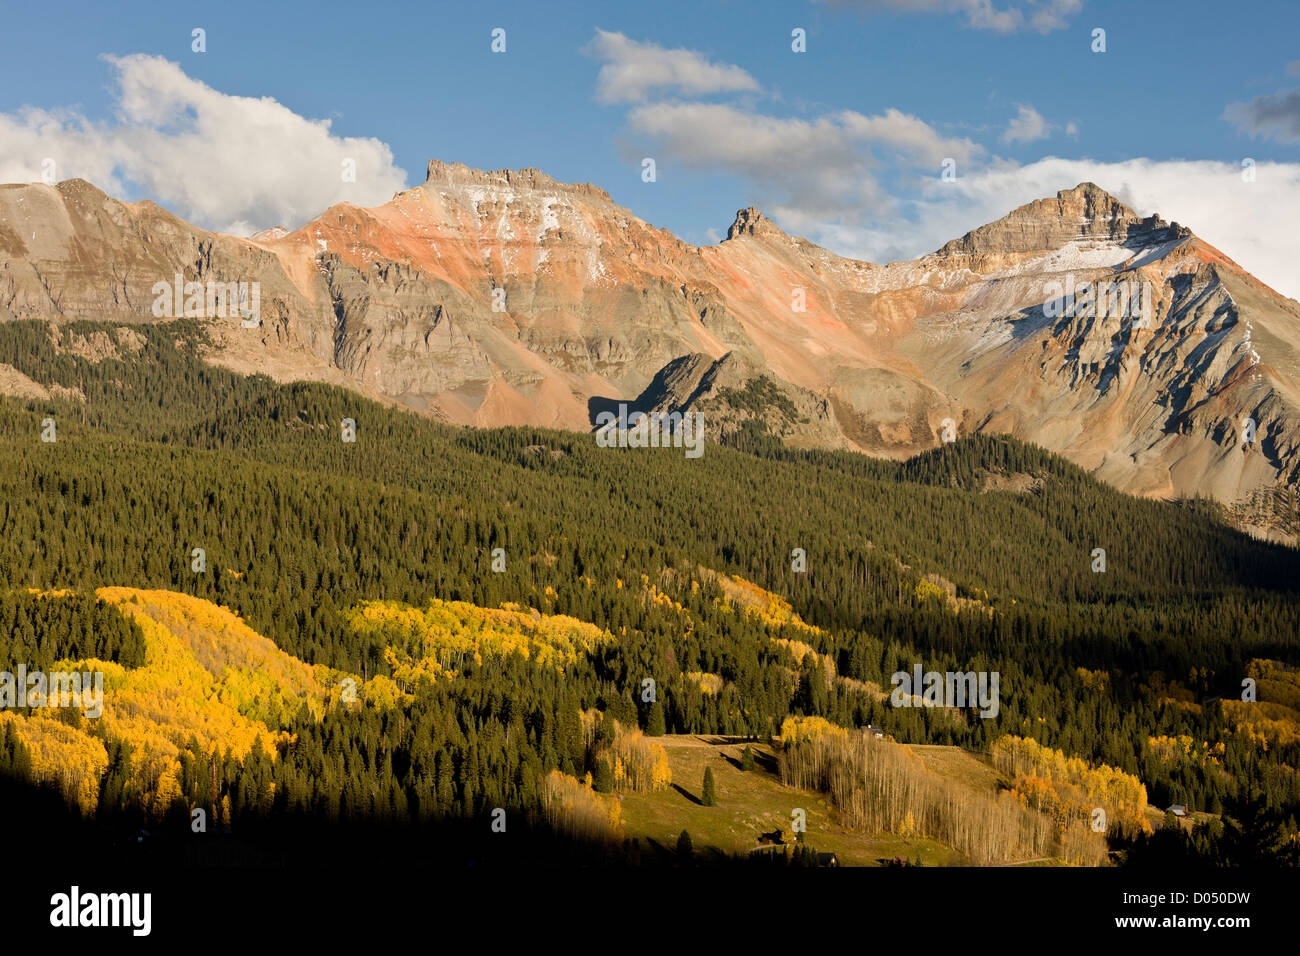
1127	344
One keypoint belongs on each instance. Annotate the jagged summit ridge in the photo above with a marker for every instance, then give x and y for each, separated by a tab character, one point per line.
528	178
1086	212
750	222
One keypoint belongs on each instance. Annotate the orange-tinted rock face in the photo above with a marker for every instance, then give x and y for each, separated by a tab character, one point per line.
493	298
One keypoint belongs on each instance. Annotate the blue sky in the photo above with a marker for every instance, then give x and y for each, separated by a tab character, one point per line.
842	143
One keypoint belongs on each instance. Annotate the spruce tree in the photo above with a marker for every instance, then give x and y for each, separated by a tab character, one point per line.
604	781
747	758
710	796
654	725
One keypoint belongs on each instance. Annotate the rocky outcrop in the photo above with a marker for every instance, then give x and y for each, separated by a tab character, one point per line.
732	395
1085	212
751	222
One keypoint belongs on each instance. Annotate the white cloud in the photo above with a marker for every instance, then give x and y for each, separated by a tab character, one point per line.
908	135
32	137
808	170
1042	16
632	70
816	161
1252	223
812	168
231	163
1027	126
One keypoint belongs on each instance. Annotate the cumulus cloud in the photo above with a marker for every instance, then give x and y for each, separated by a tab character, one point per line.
808	169
31	138
1042	16
811	168
908	135
1276	116
632	70
232	163
1026	126
814	160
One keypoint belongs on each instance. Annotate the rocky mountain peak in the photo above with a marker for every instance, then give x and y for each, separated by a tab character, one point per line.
457	174
1087	191
1086	212
751	222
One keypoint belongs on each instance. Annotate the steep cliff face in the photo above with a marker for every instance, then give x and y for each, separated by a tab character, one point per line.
1086	214
733	395
1129	345
492	298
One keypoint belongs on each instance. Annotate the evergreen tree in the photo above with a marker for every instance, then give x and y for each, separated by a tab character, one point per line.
685	849
747	758
805	856
710	796
1256	835
604	778
654	725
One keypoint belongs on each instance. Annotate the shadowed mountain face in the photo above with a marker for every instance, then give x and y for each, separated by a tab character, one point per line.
494	298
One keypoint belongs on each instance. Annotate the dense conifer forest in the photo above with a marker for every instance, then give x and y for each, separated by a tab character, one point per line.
157	454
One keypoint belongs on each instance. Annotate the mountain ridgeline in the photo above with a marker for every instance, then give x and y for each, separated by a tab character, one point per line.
1125	343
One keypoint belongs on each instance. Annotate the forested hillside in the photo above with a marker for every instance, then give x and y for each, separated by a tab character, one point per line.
613	566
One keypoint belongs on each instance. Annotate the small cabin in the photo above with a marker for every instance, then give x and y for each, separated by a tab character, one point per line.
875	731
1178	809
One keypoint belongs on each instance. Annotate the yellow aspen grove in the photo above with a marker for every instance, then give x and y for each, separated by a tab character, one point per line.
1272	719
1067	788
878	786
446	635
61	755
639	764
207	677
573	807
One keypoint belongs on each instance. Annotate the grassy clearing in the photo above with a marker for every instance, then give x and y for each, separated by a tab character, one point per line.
750	803
974	770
